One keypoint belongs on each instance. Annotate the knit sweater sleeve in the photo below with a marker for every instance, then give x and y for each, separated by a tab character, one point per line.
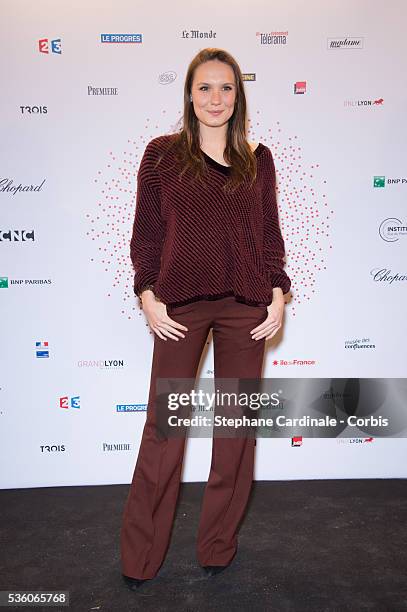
274	248
148	226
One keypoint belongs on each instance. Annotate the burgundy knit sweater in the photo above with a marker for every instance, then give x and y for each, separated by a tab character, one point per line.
193	243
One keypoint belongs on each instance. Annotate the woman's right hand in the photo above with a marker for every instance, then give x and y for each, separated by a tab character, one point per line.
158	319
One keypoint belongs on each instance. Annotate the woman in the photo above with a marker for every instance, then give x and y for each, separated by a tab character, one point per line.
208	253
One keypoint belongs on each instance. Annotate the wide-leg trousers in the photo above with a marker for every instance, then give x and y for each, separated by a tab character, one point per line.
150	507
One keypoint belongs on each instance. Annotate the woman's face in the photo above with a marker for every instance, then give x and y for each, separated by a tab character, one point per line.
213	89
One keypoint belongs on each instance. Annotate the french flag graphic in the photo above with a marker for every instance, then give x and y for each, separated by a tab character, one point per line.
41	349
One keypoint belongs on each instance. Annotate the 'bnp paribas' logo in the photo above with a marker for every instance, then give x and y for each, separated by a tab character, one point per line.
380	181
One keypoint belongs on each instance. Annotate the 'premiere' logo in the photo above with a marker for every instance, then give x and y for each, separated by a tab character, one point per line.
102	91
124	446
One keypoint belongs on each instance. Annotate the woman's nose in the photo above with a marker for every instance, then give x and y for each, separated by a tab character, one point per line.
215	96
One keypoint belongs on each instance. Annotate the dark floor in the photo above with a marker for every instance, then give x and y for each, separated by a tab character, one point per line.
304	545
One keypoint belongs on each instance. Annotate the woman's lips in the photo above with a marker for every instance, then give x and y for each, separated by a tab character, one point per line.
215	112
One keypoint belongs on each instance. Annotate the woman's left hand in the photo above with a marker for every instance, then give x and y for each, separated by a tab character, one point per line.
272	324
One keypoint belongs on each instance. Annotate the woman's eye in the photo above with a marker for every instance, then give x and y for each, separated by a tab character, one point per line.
204	87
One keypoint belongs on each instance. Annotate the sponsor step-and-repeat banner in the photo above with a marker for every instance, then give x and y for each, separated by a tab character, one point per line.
87	89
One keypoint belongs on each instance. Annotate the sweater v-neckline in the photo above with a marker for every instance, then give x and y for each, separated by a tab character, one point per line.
221	167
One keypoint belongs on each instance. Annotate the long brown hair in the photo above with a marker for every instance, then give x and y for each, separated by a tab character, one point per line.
238	152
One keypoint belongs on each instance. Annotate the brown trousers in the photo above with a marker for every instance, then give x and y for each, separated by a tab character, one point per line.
150	507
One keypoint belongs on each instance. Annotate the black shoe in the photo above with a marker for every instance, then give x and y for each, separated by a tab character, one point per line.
134	583
212	570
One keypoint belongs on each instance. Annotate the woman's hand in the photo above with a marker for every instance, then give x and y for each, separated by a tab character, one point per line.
158	319
272	324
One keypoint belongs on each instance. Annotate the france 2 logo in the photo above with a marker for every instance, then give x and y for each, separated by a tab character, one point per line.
44	45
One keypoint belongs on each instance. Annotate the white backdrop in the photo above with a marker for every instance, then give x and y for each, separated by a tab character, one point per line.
328	96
